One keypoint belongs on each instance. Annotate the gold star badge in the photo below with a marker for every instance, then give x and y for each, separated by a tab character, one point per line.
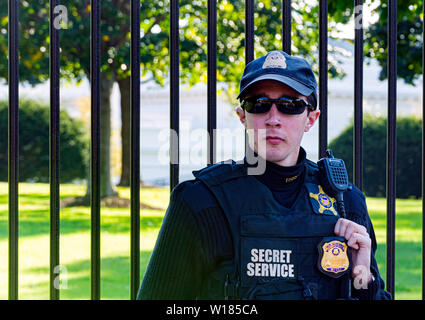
325	202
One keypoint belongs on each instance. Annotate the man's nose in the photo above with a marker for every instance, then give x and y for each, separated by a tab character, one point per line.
274	117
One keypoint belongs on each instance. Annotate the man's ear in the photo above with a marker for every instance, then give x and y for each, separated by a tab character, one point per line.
311	119
241	114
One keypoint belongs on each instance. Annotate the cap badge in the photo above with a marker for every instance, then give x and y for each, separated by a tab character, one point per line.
275	59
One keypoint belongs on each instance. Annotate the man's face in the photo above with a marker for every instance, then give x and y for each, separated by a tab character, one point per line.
276	136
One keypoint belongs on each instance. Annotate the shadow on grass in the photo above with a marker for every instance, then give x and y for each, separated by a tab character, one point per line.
408	268
115	275
36	222
115	279
29	199
110	202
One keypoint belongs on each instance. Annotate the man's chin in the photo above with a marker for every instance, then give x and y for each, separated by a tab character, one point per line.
275	159
273	156
279	157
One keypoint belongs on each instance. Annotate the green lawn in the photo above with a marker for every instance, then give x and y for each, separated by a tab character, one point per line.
75	242
408	251
115	242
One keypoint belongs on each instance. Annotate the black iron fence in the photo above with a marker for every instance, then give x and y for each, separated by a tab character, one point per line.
174	124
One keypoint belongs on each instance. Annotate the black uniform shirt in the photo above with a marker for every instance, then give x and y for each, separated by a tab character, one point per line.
284	182
191	242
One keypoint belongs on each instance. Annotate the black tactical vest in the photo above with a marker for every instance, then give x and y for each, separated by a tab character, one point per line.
275	248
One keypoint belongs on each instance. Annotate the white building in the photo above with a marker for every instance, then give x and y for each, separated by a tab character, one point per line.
193	118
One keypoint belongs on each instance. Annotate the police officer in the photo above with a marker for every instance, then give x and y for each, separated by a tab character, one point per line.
229	234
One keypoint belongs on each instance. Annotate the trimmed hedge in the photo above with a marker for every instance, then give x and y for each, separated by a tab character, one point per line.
408	159
34	144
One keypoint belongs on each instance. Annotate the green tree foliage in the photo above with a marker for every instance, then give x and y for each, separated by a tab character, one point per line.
154	44
115	29
409	35
34	144
409	42
408	172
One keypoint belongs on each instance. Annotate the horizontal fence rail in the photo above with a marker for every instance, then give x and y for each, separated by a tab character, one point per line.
95	103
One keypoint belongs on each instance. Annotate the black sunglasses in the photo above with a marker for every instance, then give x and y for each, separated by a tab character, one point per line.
284	104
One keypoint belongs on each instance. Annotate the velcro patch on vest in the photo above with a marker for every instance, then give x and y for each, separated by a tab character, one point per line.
321	203
268	259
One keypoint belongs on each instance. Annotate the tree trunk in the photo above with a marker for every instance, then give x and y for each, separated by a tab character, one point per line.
125	86
106	187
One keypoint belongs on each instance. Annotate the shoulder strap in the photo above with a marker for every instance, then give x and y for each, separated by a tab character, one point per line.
311	172
220	172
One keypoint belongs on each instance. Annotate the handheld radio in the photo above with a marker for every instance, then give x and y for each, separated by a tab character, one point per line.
334	178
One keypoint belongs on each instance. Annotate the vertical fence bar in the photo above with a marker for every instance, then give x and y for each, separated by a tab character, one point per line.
54	152
358	94
95	147
286	26
212	83
391	142
323	77
13	174
423	157
174	93
135	148
249	31
249	41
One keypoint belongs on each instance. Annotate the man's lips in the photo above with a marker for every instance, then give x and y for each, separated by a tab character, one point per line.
274	139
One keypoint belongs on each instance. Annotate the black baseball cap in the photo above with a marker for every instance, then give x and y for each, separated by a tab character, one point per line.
295	72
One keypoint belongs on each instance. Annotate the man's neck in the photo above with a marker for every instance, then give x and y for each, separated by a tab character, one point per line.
284	178
290	160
